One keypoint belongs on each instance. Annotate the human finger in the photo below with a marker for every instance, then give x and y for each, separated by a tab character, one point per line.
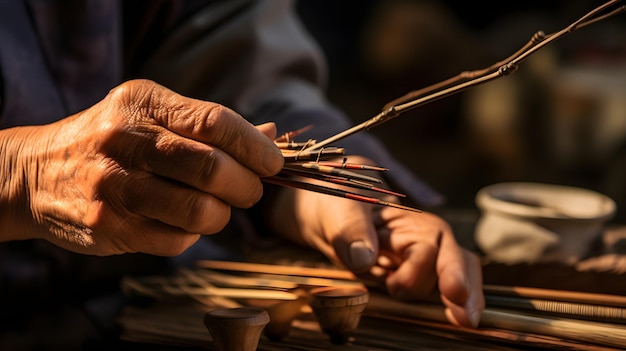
201	166
168	202
460	286
143	235
203	121
410	244
347	227
268	129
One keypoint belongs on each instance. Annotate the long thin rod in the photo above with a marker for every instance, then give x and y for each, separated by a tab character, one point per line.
466	80
585	332
290	183
251	267
342	181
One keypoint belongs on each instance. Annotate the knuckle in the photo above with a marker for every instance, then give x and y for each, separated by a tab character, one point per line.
211	117
208	164
126	90
132	187
412	286
221	125
230	182
255	195
135	97
176	245
206	215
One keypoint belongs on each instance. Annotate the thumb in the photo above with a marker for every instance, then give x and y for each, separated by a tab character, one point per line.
351	232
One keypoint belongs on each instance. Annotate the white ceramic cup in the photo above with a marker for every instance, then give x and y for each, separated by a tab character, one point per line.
525	222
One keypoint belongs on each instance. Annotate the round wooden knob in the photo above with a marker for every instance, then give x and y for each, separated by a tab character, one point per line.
281	316
338	310
236	329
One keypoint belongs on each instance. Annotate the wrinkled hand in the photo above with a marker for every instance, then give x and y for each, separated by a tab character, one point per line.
144	170
413	253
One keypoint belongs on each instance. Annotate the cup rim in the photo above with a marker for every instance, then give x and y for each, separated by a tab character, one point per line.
544	200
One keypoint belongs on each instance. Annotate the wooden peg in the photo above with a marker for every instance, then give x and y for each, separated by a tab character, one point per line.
282	314
236	329
338	309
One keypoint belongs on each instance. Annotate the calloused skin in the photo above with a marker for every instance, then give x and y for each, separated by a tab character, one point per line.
413	254
147	170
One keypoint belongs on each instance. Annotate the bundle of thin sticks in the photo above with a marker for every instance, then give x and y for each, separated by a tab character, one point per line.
332	177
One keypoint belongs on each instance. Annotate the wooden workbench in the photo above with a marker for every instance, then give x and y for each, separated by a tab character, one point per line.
178	323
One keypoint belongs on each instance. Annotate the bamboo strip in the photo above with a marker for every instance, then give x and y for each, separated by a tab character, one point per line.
297	184
311	281
557	295
135	285
522	340
233	293
571	329
574	310
277	269
236	281
212	300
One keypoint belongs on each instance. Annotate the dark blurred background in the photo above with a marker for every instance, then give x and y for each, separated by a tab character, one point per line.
561	118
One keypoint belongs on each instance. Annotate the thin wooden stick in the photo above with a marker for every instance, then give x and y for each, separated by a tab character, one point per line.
211	300
290	183
573	310
306	169
311	281
348	165
567	328
339	172
353	183
361	185
237	281
466	80
522	339
293	145
166	287
557	295
305	155
277	269
286	137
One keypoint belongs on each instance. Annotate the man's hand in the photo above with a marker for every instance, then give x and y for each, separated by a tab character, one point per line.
414	254
144	170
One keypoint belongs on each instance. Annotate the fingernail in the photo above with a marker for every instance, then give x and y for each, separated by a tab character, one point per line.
360	256
273	160
475	311
475	318
466	282
471	305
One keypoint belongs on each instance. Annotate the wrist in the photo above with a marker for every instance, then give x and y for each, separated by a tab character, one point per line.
14	196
